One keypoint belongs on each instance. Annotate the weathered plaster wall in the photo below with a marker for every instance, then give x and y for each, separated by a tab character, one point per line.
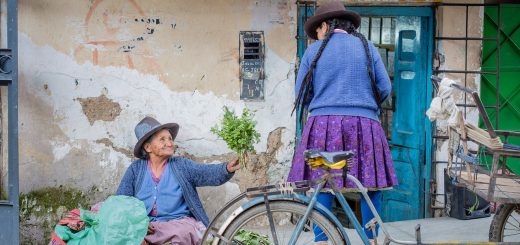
451	56
90	70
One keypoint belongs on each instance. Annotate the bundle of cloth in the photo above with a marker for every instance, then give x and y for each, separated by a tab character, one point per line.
443	106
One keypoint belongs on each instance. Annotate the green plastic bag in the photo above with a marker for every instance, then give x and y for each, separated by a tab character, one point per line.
120	220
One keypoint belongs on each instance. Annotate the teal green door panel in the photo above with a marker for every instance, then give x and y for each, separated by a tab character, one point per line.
399	203
408	129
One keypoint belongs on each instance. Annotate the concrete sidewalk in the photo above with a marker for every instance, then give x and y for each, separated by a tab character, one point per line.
435	230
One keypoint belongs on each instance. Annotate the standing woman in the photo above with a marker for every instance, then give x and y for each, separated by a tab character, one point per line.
342	82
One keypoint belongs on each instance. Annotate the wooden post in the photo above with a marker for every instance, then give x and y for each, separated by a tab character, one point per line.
450	151
464	139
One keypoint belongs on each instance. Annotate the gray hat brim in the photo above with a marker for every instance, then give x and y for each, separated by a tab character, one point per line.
172	127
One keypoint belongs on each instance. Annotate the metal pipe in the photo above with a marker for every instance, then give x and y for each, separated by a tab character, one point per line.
270	217
363	191
440	137
381	30
467	4
466	38
12	119
370	28
466	61
497	93
461	71
301	222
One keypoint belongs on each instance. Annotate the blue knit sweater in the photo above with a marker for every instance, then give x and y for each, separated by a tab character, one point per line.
189	174
341	82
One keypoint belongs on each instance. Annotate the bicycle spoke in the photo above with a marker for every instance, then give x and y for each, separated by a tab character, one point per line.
271	221
513	217
513	225
283	217
514	234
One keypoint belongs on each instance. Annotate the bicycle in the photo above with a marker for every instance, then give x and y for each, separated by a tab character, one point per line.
276	205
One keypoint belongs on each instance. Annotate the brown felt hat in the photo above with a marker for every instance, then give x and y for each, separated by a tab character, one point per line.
146	128
327	11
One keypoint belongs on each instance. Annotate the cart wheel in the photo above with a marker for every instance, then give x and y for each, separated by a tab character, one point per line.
505	226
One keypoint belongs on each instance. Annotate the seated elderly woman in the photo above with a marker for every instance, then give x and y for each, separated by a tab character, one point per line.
167	184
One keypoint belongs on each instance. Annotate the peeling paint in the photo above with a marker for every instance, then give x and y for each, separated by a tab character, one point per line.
107	142
258	165
99	108
101	66
158	37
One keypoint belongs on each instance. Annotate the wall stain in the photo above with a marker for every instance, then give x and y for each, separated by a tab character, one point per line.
257	166
107	142
99	108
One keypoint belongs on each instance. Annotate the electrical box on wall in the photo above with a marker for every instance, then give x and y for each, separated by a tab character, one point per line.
252	65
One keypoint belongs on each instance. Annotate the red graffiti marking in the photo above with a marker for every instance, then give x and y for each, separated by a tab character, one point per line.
103	43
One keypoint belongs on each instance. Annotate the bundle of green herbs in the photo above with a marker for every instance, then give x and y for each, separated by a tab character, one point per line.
239	133
251	238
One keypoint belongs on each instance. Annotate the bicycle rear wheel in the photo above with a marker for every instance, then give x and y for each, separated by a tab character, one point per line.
505	226
256	220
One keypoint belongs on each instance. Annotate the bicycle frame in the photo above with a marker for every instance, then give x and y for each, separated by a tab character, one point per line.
265	194
328	178
344	205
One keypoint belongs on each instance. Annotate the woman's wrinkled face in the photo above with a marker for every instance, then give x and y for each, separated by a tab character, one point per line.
161	144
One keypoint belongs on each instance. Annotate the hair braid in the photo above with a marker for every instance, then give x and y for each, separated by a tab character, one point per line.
352	30
306	92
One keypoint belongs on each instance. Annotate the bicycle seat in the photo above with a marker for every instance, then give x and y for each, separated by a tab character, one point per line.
333	160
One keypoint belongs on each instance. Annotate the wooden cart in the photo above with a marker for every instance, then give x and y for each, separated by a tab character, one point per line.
493	182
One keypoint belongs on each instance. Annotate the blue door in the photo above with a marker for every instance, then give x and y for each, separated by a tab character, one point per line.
408	120
403	37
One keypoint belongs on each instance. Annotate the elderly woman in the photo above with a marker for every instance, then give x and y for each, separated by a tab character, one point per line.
167	184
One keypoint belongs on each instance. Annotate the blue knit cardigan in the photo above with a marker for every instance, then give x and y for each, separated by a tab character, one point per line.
190	175
341	82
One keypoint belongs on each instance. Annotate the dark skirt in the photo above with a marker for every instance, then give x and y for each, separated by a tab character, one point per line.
372	162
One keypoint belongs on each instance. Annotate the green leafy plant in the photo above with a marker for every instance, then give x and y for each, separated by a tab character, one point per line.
250	238
239	133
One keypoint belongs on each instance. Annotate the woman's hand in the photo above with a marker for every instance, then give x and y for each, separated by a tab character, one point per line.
233	165
151	229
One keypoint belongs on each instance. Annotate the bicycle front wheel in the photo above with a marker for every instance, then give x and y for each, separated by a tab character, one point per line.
253	224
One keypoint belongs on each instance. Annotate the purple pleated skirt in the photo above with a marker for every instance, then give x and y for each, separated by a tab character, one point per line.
372	162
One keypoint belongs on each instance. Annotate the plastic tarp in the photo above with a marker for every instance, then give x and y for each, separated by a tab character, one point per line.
120	220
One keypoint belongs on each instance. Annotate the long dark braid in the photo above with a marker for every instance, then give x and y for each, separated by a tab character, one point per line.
306	92
351	29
